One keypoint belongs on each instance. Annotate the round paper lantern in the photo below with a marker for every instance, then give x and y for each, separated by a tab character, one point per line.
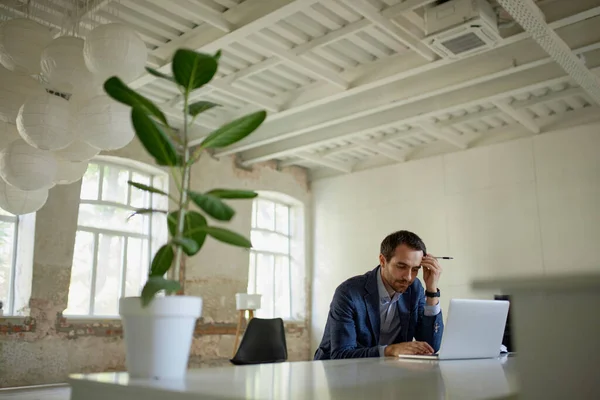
21	44
63	64
115	49
8	134
69	172
105	124
26	167
14	90
78	151
19	202
44	122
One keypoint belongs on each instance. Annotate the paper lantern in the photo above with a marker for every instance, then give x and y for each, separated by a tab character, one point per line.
44	122
21	44
63	64
78	151
26	167
14	90
115	49
19	202
8	134
69	172
105	124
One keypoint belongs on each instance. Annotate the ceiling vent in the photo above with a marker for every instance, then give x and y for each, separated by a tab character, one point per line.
459	28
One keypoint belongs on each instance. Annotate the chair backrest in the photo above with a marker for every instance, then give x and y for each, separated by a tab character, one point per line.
263	342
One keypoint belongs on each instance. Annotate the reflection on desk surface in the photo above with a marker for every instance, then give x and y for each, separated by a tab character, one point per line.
343	379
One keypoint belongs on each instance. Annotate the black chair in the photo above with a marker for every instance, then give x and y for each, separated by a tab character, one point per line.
263	343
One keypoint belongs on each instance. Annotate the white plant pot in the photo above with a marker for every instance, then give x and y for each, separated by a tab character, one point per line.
158	337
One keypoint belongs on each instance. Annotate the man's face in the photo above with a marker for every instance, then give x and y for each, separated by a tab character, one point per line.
402	269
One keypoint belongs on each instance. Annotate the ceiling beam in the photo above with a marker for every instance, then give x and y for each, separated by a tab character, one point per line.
492	66
442	134
248	18
517	115
260	44
413	113
381	148
247	96
398	32
211	17
531	18
339	166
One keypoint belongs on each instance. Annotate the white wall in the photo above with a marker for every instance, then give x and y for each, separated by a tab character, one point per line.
525	207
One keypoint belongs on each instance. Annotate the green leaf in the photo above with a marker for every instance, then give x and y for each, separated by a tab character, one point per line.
123	94
232	194
154	139
201	106
193	227
234	131
189	246
141	211
218	55
154	285
212	205
146	188
227	236
162	261
193	70
159	74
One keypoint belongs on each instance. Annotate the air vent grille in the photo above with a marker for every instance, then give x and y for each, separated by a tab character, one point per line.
462	44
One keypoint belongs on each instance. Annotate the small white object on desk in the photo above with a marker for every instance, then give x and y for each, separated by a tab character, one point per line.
556	326
372	378
245	301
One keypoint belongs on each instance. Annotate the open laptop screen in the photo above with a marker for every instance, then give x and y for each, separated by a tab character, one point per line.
507	338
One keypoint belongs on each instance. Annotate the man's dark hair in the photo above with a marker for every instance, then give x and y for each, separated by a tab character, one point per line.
389	244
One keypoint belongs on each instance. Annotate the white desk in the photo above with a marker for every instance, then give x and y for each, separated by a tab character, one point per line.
324	380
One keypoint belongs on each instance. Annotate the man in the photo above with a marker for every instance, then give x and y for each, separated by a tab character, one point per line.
380	313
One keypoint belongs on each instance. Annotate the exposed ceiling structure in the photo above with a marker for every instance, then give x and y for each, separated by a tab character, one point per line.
355	84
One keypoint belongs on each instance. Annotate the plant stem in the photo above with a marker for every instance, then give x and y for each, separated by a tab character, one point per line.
183	194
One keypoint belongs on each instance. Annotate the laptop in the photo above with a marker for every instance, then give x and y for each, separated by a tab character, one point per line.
474	329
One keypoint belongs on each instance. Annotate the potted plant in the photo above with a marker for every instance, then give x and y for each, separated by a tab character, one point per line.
158	330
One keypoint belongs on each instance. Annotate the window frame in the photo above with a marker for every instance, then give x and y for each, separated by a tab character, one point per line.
15	220
290	204
131	167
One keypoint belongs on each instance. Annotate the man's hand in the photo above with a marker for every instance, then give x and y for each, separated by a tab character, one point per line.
431	272
409	348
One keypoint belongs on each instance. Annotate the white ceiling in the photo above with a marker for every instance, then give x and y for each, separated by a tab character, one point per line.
349	84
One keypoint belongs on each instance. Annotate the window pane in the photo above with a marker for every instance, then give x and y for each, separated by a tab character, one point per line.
282	219
265	218
113	218
7	231
140	198
90	183
108	275
81	275
282	287
268	241
264	284
137	266
114	186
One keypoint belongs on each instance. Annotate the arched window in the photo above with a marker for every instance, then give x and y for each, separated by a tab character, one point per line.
112	249
16	261
277	264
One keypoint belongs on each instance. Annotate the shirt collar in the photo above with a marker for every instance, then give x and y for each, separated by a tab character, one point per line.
384	296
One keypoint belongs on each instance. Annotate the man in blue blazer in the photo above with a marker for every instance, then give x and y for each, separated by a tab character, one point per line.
380	313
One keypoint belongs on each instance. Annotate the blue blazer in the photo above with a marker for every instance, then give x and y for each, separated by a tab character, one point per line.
352	328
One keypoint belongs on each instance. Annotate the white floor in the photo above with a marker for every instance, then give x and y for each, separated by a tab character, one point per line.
56	393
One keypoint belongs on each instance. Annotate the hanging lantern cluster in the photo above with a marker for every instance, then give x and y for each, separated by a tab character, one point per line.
54	115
